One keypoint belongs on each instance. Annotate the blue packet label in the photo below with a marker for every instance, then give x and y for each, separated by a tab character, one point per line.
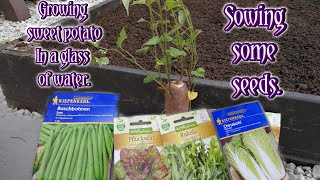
77	107
239	119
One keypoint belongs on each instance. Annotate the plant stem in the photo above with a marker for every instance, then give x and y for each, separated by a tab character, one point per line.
133	60
154	33
163	43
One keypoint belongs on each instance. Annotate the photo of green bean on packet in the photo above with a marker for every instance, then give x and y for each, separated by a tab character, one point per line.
76	137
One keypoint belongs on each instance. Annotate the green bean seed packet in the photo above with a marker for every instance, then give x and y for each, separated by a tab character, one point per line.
76	137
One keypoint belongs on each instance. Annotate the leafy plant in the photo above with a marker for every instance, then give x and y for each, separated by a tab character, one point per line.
196	160
261	146
254	156
172	44
240	158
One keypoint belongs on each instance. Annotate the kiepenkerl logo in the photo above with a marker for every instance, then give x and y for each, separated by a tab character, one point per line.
75	100
221	121
55	100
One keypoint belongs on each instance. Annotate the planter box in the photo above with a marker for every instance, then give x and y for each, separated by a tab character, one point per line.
300	112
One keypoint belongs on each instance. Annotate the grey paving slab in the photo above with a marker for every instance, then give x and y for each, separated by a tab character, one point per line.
19	131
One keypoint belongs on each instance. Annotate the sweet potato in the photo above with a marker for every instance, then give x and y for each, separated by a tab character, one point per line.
176	97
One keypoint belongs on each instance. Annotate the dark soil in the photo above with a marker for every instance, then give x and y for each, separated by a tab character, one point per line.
298	63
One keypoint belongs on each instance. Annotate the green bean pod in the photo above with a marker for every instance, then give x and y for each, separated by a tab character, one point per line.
46	131
90	170
63	161
43	138
109	140
100	149
111	127
47	156
82	153
38	160
104	156
52	127
65	132
96	160
75	157
84	166
58	158
70	153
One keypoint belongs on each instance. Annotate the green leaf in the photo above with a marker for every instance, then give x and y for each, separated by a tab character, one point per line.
143	50
189	41
266	155
195	34
173	31
181	17
102	60
174	52
167	38
150	78
122	37
187	11
139	2
142	20
153	41
149	2
95	44
199	72
126	4
171	4
155	25
241	159
178	41
162	61
198	31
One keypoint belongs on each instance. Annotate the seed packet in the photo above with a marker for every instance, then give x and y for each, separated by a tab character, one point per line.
248	143
275	122
76	138
191	146
137	147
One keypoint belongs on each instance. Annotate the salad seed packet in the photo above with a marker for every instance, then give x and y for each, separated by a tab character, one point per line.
248	143
191	146
76	138
138	145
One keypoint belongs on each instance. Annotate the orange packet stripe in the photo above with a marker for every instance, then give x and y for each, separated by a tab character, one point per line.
122	140
203	130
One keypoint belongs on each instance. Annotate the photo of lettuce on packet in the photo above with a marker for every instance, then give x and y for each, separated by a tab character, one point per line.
137	147
248	143
191	147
